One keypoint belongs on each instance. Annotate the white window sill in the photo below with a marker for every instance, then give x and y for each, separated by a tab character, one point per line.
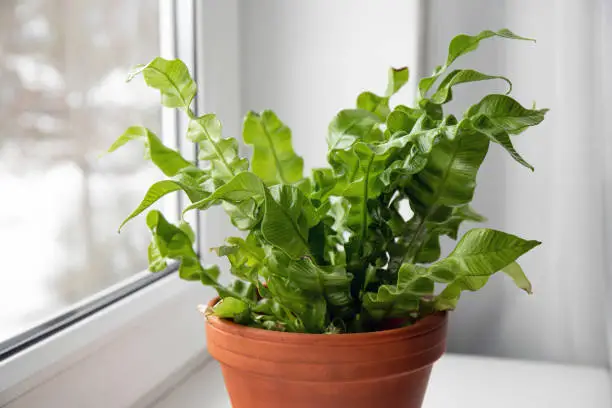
457	381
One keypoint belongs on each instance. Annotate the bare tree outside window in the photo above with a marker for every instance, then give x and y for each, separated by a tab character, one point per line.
63	101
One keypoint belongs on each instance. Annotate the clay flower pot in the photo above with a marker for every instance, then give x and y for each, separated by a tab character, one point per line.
268	369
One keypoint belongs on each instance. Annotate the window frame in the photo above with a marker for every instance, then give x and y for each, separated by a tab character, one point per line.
139	332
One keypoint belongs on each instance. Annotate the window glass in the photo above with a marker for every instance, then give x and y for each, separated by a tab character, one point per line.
63	101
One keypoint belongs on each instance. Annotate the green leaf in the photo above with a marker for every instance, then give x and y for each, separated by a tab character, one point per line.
239	289
311	310
222	153
362	177
274	160
461	76
243	187
499	136
155	192
169	161
445	221
331	283
171	242
401	299
515	271
244	215
209	276
430	251
334	284
461	45
505	113
411	164
479	254
450	226
402	119
288	215
351	125
232	308
181	181
245	256
398	77
379	105
186	228
171	78
449	178
323	182
499	116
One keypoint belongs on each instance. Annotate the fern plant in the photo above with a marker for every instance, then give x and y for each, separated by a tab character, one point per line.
331	252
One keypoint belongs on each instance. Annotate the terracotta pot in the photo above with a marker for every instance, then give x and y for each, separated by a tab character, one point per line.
267	369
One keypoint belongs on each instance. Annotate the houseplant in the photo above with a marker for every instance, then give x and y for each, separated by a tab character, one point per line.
333	302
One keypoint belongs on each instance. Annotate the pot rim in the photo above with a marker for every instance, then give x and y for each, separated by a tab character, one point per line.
425	325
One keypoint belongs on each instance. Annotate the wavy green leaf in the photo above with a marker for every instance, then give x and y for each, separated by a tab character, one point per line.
444	92
461	45
379	105
245	256
479	254
158	190
232	308
412	163
484	125
397	78
288	215
155	192
169	161
323	182
243	187
351	125
311	310
449	178
402	119
186	228
401	299
171	242
171	78
450	226
239	289
222	153
274	160
332	283
446	221
505	113
515	272
244	215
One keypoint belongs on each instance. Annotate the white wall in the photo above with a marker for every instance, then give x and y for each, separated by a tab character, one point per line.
605	24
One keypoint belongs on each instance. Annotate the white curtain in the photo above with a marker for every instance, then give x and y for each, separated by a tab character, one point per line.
563	203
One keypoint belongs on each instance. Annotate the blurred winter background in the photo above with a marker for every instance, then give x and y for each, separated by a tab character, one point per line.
63	101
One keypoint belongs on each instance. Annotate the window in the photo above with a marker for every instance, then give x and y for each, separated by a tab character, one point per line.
63	101
85	350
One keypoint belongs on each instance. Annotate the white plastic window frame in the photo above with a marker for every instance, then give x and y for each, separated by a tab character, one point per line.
128	353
